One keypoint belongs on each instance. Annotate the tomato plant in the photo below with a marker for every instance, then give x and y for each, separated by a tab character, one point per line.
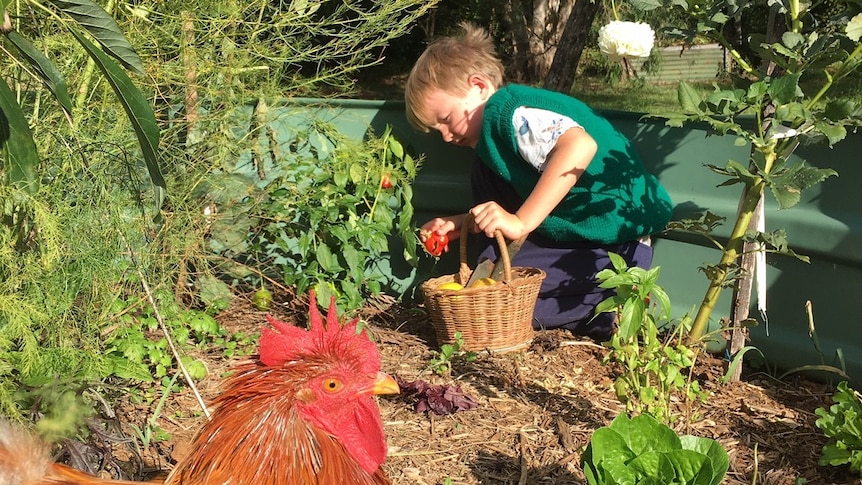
436	243
325	216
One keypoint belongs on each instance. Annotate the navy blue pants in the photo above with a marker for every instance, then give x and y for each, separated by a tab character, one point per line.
570	292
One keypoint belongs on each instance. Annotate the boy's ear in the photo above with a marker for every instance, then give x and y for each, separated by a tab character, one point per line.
480	82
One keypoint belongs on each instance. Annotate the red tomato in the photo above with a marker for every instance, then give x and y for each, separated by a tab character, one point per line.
385	181
435	243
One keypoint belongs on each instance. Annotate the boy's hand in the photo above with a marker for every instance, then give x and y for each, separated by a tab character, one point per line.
439	231
489	217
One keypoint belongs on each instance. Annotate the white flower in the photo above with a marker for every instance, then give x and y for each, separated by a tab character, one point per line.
854	28
626	39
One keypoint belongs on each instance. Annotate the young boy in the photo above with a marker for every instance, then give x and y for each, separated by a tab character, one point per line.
548	167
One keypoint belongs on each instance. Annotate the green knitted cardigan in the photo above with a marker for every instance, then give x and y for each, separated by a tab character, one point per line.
615	200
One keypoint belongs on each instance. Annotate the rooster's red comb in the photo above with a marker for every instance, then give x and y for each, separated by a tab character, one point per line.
285	342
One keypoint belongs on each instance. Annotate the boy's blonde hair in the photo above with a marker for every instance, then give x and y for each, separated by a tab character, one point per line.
446	65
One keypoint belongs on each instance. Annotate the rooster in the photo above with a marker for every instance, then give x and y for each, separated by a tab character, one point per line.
301	414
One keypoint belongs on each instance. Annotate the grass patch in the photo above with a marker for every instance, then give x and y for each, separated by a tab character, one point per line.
643	97
636	96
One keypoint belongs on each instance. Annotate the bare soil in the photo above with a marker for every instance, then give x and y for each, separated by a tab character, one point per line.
536	410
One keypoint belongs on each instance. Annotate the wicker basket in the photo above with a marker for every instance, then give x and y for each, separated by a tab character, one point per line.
497	318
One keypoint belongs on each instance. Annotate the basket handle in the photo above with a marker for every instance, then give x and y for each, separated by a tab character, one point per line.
464	270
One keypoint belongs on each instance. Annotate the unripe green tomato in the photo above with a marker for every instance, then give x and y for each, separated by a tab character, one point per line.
261	299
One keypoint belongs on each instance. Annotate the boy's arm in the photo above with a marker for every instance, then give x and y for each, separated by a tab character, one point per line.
566	162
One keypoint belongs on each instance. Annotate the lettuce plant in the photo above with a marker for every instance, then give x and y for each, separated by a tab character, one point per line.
842	423
643	451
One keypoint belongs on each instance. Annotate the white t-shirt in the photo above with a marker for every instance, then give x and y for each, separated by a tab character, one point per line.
537	131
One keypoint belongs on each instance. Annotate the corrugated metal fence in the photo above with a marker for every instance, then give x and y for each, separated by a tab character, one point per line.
694	63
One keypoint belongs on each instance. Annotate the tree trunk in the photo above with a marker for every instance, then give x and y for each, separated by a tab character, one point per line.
742	298
516	67
563	70
536	28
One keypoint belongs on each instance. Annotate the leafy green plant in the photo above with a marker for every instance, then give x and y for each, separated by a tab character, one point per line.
136	349
151	430
655	366
642	450
111	51
442	360
72	216
768	109
59	237
324	218
842	424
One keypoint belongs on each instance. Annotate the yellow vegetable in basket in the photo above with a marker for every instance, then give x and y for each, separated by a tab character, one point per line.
483	282
450	286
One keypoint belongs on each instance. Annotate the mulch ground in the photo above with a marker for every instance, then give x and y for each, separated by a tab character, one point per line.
536	410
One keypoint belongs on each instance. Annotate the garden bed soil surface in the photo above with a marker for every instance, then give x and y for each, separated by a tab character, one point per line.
536	410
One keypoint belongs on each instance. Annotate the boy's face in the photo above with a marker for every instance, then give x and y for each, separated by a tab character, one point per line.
458	117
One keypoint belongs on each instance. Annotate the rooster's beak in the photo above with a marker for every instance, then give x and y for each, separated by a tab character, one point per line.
384	384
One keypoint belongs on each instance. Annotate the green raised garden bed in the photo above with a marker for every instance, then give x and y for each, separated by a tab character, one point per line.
826	225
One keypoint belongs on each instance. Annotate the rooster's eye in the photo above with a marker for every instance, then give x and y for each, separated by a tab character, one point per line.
331	385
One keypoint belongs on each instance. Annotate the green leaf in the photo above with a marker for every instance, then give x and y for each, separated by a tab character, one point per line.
326	259
757	90
644	433
357	173
645	5
125	369
355	261
784	89
839	109
834	455
689	98
631	319
104	29
663	300
723	127
791	112
673	120
618	262
741	173
340	178
396	148
725	101
139	112
654	465
718	458
47	71
788	184
214	292
777	240
792	39
609	454
737	361
833	132
18	148
196	369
